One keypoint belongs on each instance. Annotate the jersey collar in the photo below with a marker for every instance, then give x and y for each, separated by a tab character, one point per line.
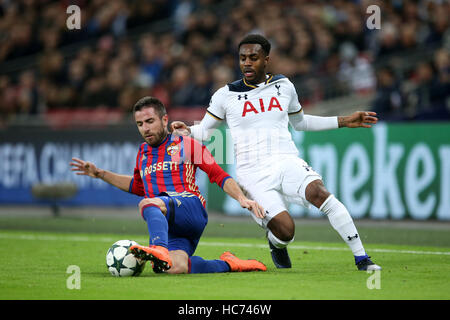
269	78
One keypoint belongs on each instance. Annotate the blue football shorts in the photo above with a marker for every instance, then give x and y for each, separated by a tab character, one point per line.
187	218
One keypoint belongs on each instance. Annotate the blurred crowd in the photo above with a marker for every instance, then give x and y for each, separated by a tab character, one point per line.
182	51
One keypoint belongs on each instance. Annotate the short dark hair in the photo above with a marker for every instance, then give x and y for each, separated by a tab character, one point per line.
150	102
256	39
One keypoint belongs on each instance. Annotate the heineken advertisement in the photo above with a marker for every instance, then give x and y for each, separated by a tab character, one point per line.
391	171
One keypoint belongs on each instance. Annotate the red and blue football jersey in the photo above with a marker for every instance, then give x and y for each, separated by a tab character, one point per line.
171	167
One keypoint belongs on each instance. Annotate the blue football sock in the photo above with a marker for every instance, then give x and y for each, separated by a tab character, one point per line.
359	258
199	265
157	225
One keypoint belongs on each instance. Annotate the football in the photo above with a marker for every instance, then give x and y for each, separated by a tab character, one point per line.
121	262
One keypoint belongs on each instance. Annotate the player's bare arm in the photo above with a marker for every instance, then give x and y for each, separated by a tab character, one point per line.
87	168
358	119
233	190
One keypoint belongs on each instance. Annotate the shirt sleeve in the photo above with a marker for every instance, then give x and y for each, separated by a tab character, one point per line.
294	105
204	130
214	115
200	156
216	106
136	184
304	122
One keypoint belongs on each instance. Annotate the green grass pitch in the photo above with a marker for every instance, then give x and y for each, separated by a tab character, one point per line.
35	264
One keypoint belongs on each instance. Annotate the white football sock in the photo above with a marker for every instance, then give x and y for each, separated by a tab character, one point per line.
342	222
280	244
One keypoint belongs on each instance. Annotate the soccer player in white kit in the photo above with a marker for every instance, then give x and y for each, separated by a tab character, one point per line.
258	109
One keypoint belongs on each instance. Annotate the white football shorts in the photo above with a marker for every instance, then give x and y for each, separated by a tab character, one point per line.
276	183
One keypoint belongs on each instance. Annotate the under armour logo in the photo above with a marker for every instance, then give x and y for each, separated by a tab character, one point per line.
278	89
351	238
244	96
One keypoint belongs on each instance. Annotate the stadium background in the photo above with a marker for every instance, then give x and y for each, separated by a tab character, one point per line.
67	93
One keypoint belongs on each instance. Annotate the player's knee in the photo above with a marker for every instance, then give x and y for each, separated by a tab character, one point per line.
180	262
154	201
282	226
316	193
287	233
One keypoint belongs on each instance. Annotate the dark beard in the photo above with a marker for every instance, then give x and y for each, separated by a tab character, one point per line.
160	137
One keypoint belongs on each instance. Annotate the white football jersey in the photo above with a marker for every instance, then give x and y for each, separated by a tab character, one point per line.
258	118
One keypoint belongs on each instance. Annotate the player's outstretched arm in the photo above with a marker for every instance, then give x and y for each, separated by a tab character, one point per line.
305	122
233	190
86	168
359	119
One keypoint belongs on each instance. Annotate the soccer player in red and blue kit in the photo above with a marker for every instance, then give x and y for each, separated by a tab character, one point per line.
173	207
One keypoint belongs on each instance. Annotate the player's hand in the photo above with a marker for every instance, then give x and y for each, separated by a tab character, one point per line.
85	168
254	207
179	128
359	119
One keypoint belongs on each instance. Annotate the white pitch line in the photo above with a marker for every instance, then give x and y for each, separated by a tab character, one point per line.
299	247
205	243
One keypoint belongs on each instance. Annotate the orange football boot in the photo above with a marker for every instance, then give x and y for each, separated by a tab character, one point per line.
239	265
158	255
